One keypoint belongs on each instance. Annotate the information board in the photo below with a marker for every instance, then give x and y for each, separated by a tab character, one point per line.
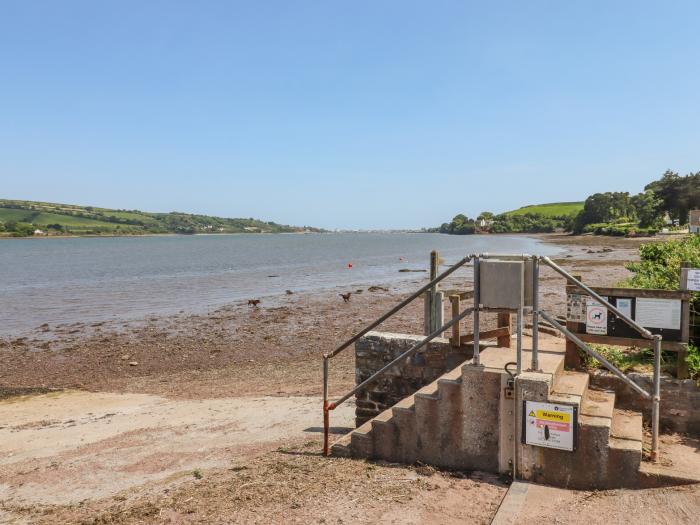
550	425
690	279
661	316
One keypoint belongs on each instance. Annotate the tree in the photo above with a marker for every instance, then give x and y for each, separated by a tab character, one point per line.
648	209
678	194
605	207
22	229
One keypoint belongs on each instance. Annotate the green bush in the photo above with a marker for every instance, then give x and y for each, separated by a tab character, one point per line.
660	264
694	361
621	229
660	268
22	229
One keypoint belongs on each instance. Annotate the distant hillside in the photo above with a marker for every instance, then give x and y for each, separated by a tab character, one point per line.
552	209
20	218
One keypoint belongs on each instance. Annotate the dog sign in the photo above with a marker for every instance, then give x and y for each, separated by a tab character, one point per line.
596	318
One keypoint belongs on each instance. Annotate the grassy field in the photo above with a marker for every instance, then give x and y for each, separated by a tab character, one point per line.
80	220
40	219
552	209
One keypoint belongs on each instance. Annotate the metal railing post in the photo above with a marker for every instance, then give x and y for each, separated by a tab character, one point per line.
535	365
326	417
477	305
656	399
519	340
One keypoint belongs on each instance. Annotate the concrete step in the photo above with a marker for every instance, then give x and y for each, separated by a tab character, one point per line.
598	403
625	449
341	448
451	410
361	441
627	425
569	387
404	419
624	462
454	375
428	426
384	436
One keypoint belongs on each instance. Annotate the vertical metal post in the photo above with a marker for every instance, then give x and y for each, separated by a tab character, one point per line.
519	340
656	399
431	298
477	305
535	365
326	417
455	341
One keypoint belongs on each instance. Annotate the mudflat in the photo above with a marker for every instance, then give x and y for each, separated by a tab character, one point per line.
216	418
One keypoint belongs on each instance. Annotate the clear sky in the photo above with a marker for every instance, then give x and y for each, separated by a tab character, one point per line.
348	114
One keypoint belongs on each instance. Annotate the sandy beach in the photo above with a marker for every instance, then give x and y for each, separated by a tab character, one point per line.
215	418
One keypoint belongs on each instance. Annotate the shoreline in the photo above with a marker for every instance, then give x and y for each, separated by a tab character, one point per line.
286	328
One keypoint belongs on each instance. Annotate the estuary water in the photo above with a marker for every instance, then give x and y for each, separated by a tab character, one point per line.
68	280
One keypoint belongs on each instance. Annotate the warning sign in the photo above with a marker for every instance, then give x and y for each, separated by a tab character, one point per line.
596	317
550	425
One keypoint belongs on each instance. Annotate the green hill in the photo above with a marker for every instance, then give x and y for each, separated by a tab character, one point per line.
552	209
19	218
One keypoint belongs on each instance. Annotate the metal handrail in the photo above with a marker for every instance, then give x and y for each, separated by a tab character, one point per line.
583	346
655	395
327	407
399	306
639	328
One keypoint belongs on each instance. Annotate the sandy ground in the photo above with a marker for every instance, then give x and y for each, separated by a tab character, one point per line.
124	440
664	506
215	418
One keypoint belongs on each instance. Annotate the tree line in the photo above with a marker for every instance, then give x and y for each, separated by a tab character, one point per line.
609	213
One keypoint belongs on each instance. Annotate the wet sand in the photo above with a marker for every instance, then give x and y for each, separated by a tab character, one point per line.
239	350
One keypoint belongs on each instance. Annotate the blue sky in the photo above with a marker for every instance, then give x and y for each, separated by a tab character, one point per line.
377	114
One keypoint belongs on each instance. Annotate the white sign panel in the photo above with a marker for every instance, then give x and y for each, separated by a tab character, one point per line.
624	305
576	308
550	425
596	317
691	279
659	313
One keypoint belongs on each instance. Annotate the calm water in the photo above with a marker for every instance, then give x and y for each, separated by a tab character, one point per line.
60	281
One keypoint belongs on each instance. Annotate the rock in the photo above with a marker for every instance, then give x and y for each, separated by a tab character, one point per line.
289	292
125	357
377	289
133	363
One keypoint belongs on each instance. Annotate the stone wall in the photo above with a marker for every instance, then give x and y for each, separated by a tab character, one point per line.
680	399
376	349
